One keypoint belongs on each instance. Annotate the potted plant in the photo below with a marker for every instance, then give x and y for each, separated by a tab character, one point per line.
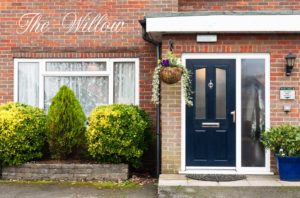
284	142
171	70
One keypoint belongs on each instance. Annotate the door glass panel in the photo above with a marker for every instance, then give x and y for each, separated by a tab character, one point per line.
220	93
253	112
200	93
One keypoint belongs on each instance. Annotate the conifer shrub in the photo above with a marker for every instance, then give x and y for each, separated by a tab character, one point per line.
22	133
65	124
118	133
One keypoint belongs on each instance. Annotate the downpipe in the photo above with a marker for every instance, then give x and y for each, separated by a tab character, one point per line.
157	44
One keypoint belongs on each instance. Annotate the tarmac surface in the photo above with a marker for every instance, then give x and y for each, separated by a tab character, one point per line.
17	190
149	190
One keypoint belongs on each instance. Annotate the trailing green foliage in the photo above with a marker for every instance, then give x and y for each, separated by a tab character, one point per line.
65	123
172	61
283	140
118	133
22	133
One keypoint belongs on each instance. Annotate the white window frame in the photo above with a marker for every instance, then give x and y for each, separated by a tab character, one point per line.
109	73
238	169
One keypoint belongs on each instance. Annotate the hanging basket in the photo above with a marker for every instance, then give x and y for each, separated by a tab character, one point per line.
170	75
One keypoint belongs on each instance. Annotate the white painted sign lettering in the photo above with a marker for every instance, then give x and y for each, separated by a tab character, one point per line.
71	22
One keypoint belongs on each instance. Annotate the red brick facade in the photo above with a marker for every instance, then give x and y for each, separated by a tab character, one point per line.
128	43
56	43
233	5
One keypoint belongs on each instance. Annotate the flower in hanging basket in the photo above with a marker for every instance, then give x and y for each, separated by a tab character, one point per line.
171	70
165	62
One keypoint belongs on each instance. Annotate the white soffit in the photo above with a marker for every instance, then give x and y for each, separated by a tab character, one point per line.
224	23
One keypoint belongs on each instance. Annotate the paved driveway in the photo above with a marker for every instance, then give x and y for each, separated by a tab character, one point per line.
16	190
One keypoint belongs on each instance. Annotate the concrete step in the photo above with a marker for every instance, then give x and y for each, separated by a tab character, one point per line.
252	187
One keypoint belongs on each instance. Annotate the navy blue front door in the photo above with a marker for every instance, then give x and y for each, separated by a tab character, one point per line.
210	122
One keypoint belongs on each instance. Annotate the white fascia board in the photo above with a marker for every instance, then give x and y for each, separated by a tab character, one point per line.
224	23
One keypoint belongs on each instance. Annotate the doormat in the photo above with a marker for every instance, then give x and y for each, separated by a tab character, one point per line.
216	177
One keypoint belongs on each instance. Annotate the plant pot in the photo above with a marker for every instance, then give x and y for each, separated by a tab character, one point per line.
170	75
288	168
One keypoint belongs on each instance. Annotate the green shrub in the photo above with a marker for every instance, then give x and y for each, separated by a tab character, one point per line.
283	140
118	133
65	124
22	133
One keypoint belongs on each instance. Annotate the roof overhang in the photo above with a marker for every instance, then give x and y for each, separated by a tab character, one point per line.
223	22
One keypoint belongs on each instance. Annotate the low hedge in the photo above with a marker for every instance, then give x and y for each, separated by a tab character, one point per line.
22	133
118	133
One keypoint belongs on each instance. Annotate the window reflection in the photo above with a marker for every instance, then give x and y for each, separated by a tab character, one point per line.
253	112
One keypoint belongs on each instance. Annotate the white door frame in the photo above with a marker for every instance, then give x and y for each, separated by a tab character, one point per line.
238	169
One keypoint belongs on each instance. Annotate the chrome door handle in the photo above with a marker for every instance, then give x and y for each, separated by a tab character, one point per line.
233	116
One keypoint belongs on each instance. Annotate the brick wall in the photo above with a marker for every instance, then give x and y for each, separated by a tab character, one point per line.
129	43
278	45
66	172
170	126
56	43
59	44
234	5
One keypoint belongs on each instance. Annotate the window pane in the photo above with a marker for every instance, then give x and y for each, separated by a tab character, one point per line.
124	82
28	83
91	91
200	93
220	93
253	112
75	66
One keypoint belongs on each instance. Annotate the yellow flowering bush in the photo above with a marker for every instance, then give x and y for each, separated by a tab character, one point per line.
22	133
118	133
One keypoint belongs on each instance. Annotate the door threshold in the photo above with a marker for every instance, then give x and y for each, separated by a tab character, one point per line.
225	172
210	168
